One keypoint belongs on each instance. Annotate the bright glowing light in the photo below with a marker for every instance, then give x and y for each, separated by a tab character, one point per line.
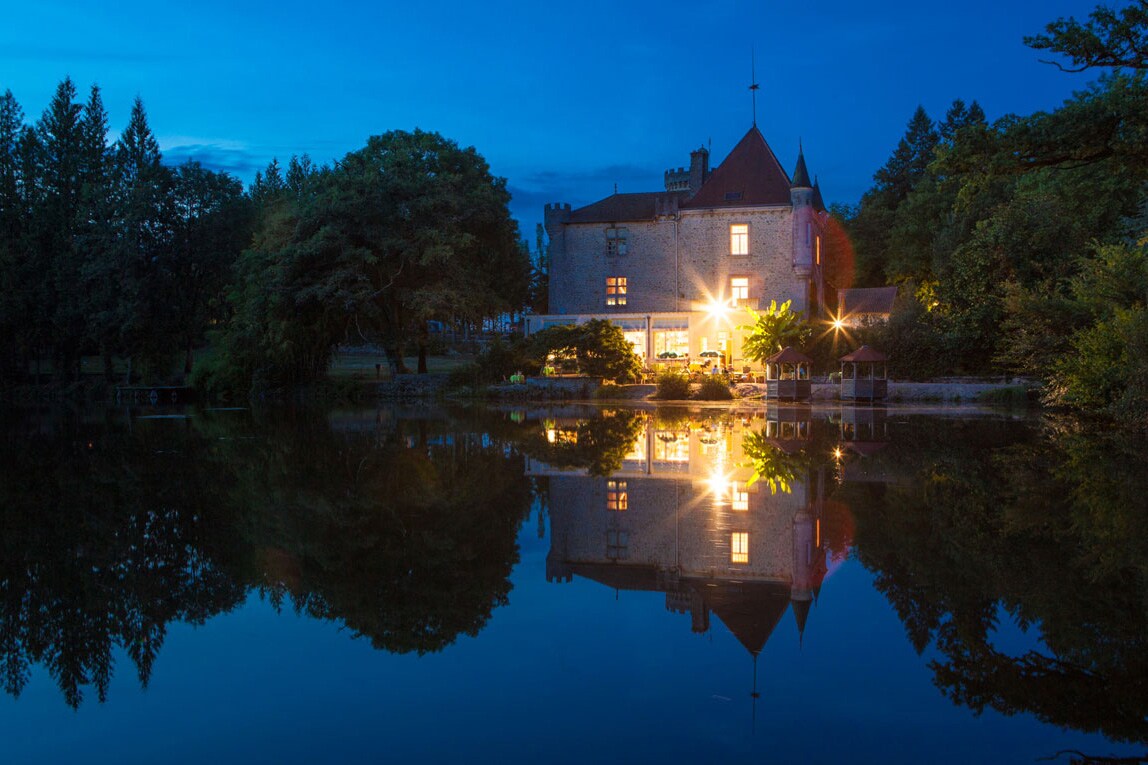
838	324
719	485
718	309
837	454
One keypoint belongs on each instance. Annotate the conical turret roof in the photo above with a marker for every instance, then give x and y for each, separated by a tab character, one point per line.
801	173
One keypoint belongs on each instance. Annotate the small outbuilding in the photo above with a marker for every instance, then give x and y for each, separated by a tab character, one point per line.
787	375
863	375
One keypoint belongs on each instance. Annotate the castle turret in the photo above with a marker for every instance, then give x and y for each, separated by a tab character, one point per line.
699	168
801	197
804	566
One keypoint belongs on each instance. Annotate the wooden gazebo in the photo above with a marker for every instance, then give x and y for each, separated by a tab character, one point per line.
863	375
787	375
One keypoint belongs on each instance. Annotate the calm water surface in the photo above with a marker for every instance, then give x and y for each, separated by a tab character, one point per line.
571	585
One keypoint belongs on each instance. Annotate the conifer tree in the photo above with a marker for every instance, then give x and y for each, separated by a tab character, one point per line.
141	189
54	254
12	222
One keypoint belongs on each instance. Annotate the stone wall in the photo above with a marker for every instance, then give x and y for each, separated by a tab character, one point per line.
676	265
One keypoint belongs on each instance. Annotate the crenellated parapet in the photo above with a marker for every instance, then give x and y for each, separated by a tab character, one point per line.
555	215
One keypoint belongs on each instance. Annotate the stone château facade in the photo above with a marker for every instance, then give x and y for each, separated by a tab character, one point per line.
677	268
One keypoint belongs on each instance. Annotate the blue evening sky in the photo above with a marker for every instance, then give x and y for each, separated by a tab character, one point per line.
565	100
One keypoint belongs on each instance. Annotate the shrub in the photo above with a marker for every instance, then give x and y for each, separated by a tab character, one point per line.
673	386
600	348
608	390
714	388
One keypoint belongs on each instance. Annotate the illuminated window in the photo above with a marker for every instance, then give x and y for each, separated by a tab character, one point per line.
615	290
818	250
617	498
739	289
739	239
617	544
739	496
739	547
616	241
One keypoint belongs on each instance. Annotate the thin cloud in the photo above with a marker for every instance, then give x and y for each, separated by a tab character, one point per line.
234	161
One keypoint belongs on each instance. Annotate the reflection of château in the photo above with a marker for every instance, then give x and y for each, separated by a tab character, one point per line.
683	516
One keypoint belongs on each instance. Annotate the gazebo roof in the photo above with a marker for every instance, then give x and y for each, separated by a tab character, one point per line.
789	355
865	353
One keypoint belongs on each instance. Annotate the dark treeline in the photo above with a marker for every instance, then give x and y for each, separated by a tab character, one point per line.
107	253
403	530
104	250
1019	245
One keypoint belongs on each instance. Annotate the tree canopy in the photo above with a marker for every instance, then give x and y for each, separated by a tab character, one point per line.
407	230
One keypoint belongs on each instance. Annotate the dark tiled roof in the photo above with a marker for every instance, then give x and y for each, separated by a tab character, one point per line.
789	355
865	353
623	207
621	576
750	175
866	300
801	173
751	610
818	202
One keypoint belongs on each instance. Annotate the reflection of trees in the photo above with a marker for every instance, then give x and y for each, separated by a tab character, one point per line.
101	545
1046	529
772	465
107	534
408	539
597	443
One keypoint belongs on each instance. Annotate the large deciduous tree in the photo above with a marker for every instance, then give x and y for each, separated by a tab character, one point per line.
409	229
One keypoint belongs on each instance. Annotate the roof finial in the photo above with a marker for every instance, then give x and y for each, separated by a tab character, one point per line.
753	86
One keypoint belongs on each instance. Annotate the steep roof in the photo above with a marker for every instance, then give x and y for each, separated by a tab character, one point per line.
801	173
865	353
789	355
818	201
866	300
751	610
618	208
750	175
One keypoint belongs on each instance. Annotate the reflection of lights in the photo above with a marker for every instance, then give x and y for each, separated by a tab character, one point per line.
719	484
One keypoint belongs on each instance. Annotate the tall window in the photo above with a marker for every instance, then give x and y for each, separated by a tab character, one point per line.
617	497
617	544
739	239
739	289
739	547
616	241
615	290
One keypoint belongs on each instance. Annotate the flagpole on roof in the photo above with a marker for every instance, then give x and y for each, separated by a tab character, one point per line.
753	86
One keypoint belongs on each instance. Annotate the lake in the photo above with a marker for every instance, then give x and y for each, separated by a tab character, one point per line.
571	584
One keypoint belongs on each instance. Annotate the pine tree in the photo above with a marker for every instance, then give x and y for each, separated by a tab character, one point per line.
912	156
12	222
144	220
54	248
96	232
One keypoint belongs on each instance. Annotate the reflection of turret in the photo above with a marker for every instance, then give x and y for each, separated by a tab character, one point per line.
809	567
801	591
557	571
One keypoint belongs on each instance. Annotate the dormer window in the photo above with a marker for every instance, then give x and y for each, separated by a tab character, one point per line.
739	239
616	243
